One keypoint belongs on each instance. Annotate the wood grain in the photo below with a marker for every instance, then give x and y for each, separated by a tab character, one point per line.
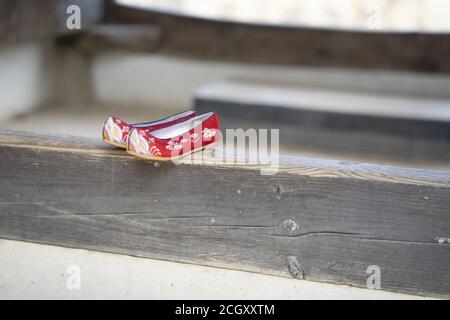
315	219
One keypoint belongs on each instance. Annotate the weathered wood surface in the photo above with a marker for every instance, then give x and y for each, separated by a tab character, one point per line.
287	45
318	220
414	128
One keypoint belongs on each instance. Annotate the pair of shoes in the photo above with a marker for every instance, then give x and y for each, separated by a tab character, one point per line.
170	138
116	131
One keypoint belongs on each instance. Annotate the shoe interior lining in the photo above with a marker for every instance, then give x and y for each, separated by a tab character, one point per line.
171	118
181	127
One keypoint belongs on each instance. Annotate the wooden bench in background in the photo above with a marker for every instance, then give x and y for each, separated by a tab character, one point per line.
390	125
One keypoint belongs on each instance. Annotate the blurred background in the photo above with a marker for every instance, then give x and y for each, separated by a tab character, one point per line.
357	80
399	15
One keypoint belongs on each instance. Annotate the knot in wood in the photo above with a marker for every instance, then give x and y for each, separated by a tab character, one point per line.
291	225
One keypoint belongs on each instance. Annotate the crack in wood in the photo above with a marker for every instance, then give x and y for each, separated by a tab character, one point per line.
357	235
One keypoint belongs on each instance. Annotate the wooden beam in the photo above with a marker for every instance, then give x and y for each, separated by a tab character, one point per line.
214	39
400	127
119	37
316	220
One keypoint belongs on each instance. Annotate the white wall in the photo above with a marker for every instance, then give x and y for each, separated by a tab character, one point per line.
163	82
23	78
33	271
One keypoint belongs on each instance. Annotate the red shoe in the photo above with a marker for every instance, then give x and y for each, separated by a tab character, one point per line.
177	140
116	131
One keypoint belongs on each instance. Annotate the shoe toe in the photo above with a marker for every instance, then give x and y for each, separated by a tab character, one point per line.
112	131
137	143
